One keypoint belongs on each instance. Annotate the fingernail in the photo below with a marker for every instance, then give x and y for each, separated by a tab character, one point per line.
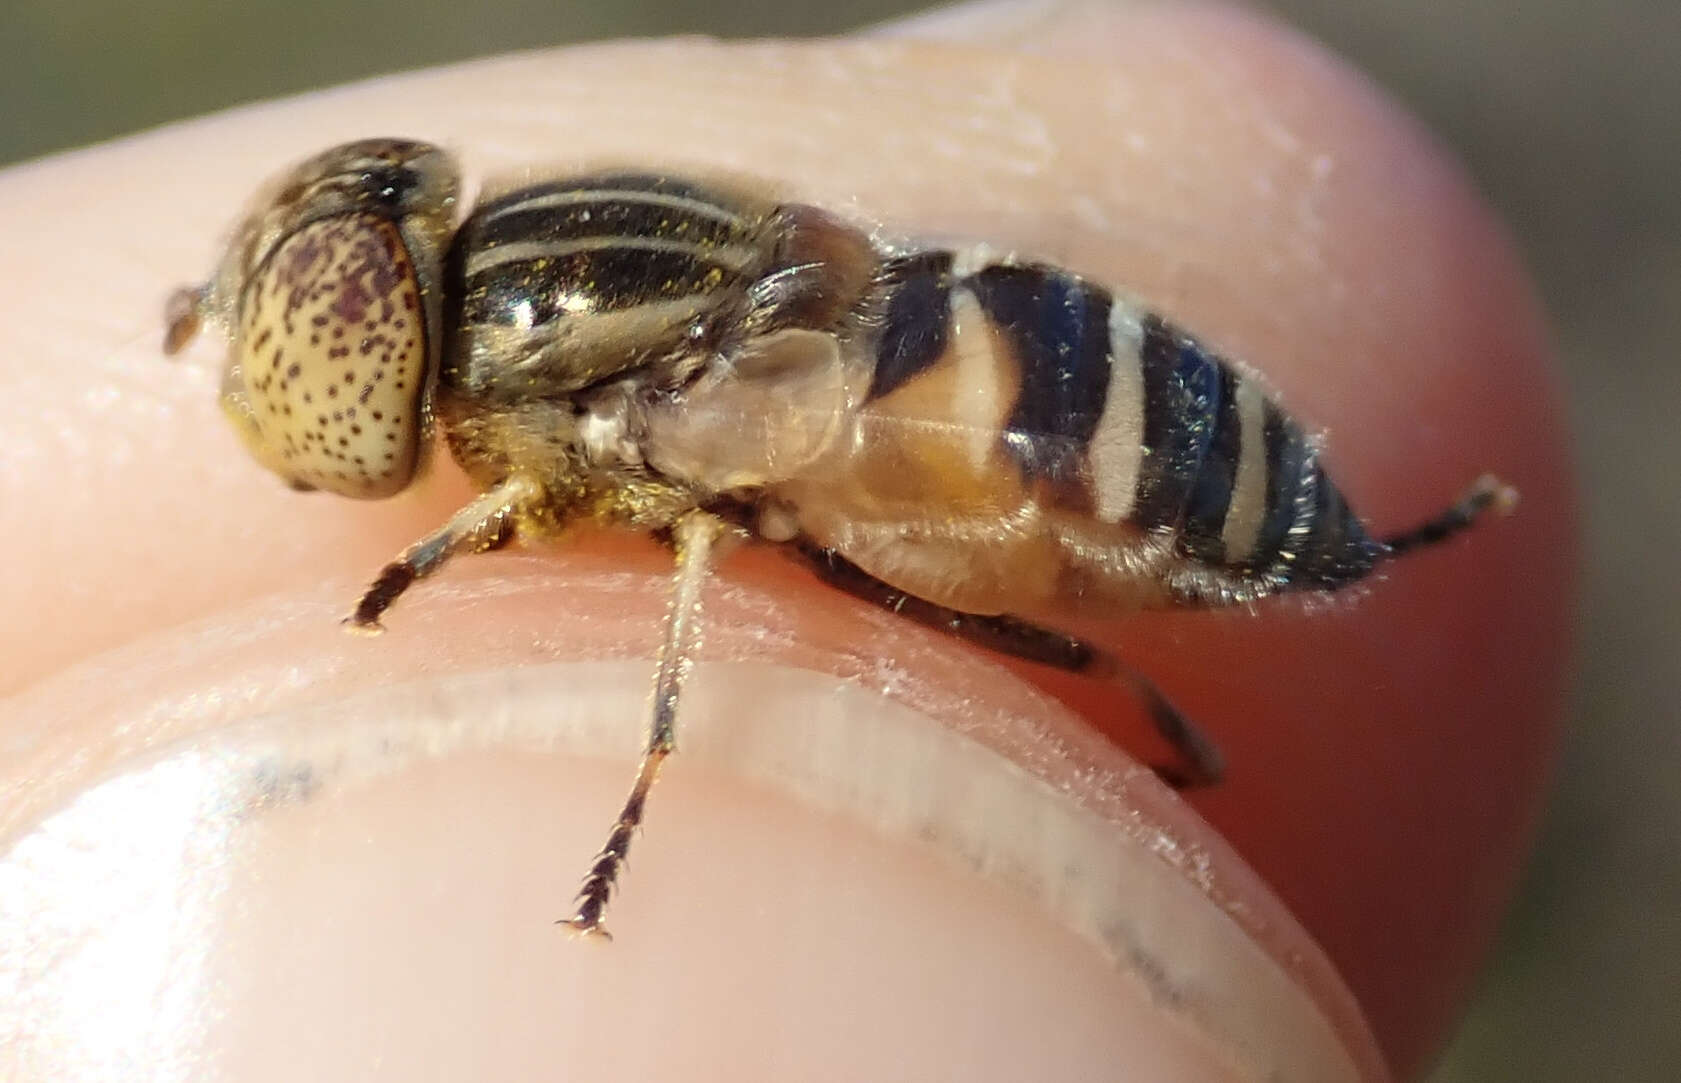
844	873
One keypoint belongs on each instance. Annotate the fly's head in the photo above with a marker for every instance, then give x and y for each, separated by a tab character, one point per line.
328	295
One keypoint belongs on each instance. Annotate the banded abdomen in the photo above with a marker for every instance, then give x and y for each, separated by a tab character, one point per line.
1030	439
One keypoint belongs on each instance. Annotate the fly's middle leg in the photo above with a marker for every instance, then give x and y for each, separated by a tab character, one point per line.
695	536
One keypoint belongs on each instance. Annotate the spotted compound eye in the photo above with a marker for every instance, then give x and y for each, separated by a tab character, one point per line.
332	355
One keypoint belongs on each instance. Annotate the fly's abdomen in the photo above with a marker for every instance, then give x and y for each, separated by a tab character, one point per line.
1119	419
1227	471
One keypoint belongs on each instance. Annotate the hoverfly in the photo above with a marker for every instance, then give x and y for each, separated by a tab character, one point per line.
976	441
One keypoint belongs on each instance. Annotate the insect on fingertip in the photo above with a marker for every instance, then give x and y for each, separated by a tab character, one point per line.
960	435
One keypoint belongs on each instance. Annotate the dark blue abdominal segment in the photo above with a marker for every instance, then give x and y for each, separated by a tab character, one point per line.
1309	538
1058	325
917	322
1202	530
1338	550
1183	396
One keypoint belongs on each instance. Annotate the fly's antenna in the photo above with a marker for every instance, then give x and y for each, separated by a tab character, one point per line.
1487	493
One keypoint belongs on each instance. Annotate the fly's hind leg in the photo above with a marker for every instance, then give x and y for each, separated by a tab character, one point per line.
1200	762
694	536
484	524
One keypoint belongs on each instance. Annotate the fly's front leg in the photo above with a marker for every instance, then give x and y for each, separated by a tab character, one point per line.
694	535
1200	762
484	524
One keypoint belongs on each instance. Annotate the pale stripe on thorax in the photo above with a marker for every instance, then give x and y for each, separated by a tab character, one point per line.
733	258
554	199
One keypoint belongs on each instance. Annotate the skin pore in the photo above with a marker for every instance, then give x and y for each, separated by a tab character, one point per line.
1386	750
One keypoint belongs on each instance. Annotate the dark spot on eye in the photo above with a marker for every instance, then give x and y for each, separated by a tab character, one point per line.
322	418
315	340
319	321
366	393
356	430
332	391
344	441
294	370
308	397
350	377
391	437
379	415
358	461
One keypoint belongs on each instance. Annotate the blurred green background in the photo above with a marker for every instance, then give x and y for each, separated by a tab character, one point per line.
1566	113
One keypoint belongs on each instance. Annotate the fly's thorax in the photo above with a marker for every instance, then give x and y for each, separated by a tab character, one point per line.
330	296
635	325
560	286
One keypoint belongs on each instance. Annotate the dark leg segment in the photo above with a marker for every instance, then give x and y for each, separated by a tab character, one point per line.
1486	493
1200	761
486	523
695	535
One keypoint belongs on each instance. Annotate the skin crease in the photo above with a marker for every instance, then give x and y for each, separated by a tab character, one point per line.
1387	750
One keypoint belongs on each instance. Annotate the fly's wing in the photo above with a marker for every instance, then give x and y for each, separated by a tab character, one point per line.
772	411
939	406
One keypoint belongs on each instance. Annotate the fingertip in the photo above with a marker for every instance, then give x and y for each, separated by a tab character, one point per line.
1225	168
328	839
